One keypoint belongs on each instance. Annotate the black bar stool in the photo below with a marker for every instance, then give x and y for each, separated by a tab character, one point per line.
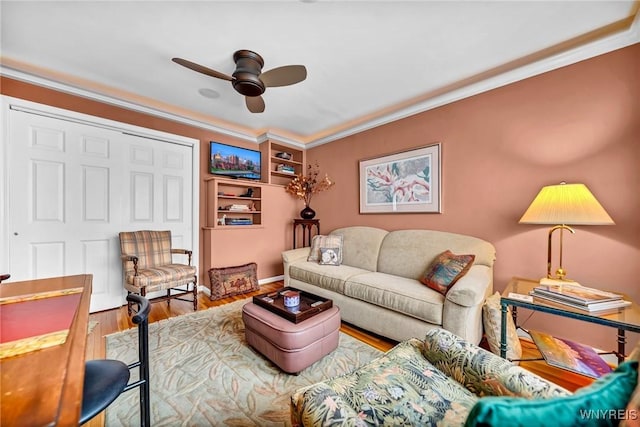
105	380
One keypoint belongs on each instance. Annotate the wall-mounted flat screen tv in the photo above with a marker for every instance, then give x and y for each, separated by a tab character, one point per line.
234	162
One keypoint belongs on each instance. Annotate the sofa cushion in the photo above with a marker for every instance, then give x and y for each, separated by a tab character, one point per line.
600	403
445	270
319	241
399	294
492	321
329	277
399	388
330	256
408	253
633	407
361	246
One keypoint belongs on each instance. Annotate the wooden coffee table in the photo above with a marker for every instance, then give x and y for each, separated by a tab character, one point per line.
309	306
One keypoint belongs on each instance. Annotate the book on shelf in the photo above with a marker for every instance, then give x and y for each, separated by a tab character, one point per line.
239	221
239	208
570	355
285	169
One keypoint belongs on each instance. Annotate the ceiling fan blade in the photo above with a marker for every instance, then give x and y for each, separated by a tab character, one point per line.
284	76
202	69
255	104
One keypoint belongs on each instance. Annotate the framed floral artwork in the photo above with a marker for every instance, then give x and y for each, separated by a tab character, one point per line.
404	182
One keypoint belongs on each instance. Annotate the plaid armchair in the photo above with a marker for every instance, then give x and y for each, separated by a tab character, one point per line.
147	266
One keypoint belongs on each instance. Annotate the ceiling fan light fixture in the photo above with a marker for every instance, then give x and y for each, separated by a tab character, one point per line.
248	67
248	78
248	84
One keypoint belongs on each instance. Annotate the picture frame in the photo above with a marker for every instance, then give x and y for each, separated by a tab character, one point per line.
402	182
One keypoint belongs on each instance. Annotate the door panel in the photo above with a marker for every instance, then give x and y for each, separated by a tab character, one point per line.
74	187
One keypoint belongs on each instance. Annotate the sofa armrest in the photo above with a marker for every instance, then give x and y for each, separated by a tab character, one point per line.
472	288
482	372
291	256
294	255
462	311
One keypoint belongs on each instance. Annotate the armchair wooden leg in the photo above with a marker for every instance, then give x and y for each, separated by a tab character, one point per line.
129	304
169	298
195	294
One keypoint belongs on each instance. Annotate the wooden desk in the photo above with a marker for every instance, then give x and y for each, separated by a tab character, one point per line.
44	387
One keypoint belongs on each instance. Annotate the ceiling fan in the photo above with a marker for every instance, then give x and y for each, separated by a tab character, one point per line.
248	78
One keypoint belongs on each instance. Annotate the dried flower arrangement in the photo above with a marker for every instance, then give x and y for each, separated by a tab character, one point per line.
304	187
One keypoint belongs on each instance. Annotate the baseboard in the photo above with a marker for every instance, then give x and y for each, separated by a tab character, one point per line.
270	279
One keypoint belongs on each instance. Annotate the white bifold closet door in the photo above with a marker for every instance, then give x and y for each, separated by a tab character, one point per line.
74	186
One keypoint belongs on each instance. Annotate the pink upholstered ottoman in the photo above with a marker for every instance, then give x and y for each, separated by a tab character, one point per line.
291	346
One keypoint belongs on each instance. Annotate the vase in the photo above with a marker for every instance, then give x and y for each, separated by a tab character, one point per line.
307	213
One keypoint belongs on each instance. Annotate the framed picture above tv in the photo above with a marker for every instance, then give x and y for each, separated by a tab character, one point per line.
234	162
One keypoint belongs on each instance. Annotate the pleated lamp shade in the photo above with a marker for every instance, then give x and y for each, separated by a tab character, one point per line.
570	204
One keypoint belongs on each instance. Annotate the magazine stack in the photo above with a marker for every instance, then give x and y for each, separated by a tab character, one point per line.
239	208
583	298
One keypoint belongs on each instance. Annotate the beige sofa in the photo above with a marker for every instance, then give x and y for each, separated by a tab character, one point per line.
377	286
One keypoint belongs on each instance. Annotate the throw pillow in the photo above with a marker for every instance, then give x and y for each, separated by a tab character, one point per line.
601	403
632	418
230	281
445	270
492	321
320	241
329	256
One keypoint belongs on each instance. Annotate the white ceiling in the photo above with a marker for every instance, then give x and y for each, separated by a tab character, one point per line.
368	62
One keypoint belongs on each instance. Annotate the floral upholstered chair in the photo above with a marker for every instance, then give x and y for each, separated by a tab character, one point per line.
432	382
447	381
147	266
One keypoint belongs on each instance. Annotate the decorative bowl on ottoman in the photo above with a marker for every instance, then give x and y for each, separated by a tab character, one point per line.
291	298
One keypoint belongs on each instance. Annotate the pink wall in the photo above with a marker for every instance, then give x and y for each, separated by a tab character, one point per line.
580	123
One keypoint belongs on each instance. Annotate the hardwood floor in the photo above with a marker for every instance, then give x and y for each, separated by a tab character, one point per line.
117	320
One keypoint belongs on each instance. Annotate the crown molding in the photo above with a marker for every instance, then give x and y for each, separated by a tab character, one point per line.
83	93
601	46
280	138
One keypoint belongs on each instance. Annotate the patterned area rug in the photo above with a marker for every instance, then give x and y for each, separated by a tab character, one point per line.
204	373
92	326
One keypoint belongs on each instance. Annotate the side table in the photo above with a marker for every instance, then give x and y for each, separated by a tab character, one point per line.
624	319
307	225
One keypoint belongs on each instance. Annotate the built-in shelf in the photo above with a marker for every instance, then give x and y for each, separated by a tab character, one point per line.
283	174
231	227
286	162
270	150
223	194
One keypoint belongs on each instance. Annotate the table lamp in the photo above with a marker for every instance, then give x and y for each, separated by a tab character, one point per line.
563	205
